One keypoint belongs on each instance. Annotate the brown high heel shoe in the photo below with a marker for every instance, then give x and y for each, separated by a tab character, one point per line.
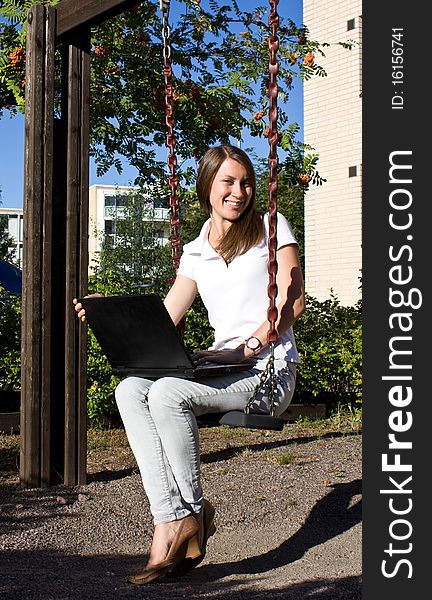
208	529
185	546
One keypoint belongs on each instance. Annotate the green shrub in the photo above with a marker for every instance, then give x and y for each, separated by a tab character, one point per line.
198	333
10	340
101	384
329	341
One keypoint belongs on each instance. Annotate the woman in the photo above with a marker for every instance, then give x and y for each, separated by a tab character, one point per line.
227	265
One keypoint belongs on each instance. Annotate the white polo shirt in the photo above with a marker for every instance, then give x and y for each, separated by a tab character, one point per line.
235	295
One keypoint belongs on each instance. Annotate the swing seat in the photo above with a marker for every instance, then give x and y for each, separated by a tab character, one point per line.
238	418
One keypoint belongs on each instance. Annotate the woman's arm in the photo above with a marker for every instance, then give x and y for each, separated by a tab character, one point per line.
177	301
180	297
291	306
290	284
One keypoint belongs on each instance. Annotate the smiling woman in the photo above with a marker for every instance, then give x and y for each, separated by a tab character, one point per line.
226	189
160	415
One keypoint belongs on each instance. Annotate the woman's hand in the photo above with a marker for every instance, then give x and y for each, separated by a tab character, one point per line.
227	356
79	307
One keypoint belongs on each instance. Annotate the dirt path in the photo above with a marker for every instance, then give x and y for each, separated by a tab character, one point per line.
288	522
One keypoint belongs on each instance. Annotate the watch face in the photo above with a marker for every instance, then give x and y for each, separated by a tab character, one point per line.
253	343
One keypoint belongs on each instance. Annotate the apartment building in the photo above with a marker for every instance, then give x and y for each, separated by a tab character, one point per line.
14	219
333	126
107	206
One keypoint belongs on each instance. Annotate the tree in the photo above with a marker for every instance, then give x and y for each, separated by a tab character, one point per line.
220	61
290	202
132	240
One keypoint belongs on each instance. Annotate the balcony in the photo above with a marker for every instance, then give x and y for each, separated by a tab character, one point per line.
152	214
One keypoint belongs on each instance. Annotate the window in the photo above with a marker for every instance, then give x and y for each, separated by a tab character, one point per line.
115	201
352	171
158	231
110	200
159	202
350	24
109	226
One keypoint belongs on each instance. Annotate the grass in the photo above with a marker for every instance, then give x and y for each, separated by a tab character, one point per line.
344	419
109	449
98	440
287	458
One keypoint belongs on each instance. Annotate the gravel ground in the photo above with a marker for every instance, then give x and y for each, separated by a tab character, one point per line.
288	523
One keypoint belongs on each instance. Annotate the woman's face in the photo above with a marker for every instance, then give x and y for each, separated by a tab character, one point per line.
231	191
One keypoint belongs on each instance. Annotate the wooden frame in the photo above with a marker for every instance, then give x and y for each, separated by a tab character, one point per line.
55	265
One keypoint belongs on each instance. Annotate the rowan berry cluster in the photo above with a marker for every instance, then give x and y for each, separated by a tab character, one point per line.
17	56
259	115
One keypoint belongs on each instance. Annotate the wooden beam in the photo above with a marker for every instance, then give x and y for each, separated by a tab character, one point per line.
47	250
76	265
83	224
72	14
30	462
72	182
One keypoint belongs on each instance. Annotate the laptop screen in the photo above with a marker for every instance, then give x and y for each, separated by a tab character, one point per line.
136	333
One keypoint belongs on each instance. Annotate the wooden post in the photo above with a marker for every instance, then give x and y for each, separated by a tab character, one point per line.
47	246
76	263
35	409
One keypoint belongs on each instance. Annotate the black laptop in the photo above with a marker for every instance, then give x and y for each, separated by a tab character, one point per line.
139	338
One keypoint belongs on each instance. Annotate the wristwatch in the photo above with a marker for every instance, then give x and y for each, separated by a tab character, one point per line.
254	344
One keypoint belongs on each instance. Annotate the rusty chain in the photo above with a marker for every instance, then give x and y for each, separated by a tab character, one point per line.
173	179
273	138
170	138
268	374
268	377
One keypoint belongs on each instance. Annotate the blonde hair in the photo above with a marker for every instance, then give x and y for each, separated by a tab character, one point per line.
247	231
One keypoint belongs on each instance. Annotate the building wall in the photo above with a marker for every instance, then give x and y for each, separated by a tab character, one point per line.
333	126
15	227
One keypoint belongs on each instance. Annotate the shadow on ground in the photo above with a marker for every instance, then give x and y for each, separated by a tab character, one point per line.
56	575
53	576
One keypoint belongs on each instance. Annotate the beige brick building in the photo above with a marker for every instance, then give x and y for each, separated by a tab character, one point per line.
333	126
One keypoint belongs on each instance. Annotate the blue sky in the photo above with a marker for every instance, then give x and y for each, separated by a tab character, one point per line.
12	131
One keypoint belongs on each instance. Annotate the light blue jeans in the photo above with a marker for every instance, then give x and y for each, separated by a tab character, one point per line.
159	418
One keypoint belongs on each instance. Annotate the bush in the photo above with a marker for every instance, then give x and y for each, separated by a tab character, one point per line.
101	384
10	340
328	338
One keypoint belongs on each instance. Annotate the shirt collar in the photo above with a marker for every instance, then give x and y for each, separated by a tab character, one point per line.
202	246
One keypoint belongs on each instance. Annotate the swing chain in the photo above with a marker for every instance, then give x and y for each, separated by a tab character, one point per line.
170	137
273	169
267	378
166	30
